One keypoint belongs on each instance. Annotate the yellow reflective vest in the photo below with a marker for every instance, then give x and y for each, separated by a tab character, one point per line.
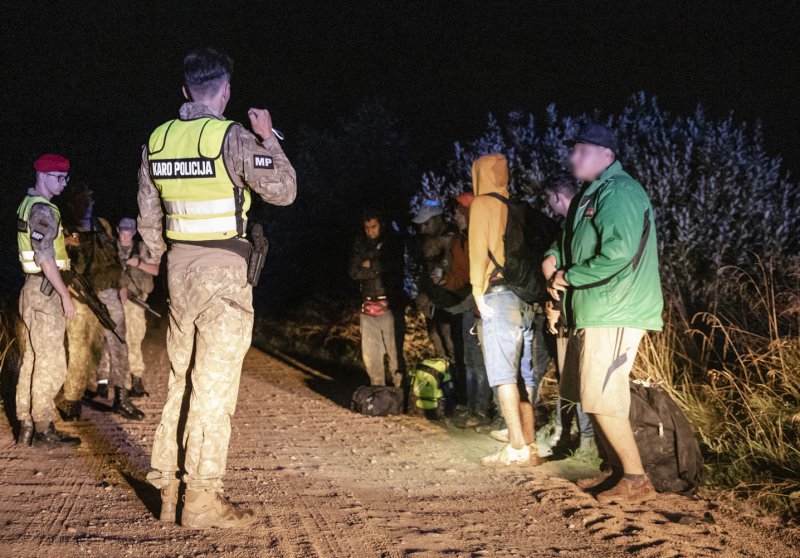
201	200
24	232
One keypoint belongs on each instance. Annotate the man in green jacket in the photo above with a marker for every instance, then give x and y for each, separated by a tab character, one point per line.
606	266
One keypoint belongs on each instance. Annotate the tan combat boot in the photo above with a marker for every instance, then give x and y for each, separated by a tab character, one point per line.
169	502
205	509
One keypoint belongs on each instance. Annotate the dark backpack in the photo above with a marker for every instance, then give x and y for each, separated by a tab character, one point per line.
528	235
668	445
378	401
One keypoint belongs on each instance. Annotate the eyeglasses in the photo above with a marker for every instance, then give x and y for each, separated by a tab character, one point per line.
60	177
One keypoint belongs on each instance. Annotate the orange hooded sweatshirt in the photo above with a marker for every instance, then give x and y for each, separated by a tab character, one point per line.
487	219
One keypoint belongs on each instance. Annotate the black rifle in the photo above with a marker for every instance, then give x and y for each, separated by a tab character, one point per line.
84	289
258	255
142	304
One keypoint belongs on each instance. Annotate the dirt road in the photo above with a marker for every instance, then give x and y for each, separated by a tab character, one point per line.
329	482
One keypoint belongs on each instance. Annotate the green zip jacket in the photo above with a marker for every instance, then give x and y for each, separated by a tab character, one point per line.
602	235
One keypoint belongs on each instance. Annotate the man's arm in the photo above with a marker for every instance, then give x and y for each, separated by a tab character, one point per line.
618	222
44	228
263	166
150	214
357	270
478	248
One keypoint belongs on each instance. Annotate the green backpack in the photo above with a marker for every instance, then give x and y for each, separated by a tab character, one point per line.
432	391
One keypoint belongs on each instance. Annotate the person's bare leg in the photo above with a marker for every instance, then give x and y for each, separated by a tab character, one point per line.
508	395
619	435
526	416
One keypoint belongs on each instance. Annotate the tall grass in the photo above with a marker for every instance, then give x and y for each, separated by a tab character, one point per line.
735	371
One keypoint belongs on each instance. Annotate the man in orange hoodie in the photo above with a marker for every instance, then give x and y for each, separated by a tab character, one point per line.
507	319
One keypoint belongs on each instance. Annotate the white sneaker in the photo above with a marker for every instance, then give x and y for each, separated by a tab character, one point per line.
508	456
500	435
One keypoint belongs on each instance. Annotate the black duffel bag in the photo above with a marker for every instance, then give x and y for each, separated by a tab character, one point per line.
377	401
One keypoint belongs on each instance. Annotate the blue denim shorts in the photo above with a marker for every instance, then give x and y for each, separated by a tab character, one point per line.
504	335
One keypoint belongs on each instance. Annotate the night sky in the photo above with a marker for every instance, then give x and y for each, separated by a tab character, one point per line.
92	81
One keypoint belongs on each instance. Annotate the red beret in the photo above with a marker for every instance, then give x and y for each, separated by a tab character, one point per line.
465	199
50	162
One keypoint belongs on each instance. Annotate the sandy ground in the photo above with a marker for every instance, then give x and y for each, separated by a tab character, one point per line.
328	482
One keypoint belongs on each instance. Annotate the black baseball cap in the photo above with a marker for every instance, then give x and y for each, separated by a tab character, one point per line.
596	134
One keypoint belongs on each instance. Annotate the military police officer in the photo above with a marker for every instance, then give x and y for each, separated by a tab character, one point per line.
44	304
202	168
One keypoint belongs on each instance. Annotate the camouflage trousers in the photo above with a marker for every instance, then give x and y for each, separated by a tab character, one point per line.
211	314
135	330
85	346
44	362
114	364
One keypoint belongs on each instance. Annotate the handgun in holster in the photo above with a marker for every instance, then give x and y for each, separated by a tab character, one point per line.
47	288
258	254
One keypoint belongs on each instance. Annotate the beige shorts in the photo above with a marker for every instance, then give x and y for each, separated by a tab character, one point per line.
597	367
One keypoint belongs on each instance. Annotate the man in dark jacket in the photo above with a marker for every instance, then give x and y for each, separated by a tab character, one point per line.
377	266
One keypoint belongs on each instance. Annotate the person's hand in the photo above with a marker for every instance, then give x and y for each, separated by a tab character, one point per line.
556	284
134	261
366	264
72	239
552	315
485	310
424	305
68	306
261	122
123	294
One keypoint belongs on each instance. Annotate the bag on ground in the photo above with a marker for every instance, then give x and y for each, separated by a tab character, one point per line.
668	445
377	401
432	392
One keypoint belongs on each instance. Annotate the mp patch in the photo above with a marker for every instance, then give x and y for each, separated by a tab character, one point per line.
182	168
36	235
263	162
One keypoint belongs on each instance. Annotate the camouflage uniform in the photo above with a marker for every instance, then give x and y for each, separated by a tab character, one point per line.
114	364
219	303
138	283
44	362
211	314
85	346
96	256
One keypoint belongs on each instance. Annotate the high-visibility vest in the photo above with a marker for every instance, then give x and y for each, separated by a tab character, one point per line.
24	232
201	200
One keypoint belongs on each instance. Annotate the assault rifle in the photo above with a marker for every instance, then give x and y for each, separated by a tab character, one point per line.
80	284
142	304
258	255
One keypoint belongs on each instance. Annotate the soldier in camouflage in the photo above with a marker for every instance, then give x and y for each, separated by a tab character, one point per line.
137	283
201	169
94	254
44	304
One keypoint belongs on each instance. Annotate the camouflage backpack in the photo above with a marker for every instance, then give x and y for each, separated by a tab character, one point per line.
432	393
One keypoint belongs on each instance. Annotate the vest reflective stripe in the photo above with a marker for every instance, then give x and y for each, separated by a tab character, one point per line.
188	168
184	227
24	244
213	207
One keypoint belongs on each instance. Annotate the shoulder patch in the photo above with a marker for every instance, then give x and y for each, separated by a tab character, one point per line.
263	162
36	235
